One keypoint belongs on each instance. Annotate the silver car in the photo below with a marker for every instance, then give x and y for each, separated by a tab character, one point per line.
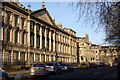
39	69
54	67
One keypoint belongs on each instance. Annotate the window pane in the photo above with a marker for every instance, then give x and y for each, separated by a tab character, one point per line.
8	18
23	21
32	40
23	38
39	65
32	25
16	20
38	41
38	27
8	34
16	36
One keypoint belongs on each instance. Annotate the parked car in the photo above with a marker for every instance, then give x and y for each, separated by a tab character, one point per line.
115	64
75	65
66	66
4	76
53	67
100	64
92	64
84	65
39	69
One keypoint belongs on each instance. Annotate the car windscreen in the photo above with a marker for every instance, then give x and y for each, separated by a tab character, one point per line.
39	65
83	64
64	64
49	64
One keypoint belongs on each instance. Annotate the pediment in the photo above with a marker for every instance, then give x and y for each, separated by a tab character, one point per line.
44	15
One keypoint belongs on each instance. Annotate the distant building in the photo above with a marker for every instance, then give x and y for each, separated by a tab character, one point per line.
109	54
85	54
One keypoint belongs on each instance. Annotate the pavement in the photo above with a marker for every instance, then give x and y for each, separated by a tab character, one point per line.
13	73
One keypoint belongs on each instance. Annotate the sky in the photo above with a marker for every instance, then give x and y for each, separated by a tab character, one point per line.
66	14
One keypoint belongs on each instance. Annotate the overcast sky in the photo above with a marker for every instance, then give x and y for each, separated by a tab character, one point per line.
64	13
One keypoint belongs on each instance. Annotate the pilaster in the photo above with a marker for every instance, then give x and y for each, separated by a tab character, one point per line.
40	37
40	58
35	36
11	36
49	58
50	40
34	57
45	37
26	54
19	56
45	57
54	41
18	36
29	62
12	56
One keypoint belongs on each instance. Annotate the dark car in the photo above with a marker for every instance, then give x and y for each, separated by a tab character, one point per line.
92	65
75	65
100	64
115	64
66	66
53	67
4	76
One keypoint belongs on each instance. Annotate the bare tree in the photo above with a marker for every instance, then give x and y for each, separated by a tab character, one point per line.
105	14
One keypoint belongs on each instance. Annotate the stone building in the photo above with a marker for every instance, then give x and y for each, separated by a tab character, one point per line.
84	51
109	54
33	36
88	52
96	51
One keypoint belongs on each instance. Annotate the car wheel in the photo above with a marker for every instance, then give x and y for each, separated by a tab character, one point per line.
4	78
56	71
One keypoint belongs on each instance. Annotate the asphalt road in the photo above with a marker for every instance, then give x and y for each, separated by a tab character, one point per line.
100	73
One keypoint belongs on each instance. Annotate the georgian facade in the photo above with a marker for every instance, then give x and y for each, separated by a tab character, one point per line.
32	36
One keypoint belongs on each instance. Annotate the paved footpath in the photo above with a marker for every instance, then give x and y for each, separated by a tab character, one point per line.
12	74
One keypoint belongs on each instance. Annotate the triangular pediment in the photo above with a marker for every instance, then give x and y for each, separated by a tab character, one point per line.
43	15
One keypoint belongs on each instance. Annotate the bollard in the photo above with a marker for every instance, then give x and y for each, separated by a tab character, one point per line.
19	77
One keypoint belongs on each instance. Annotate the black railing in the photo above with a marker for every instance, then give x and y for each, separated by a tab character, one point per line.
14	62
